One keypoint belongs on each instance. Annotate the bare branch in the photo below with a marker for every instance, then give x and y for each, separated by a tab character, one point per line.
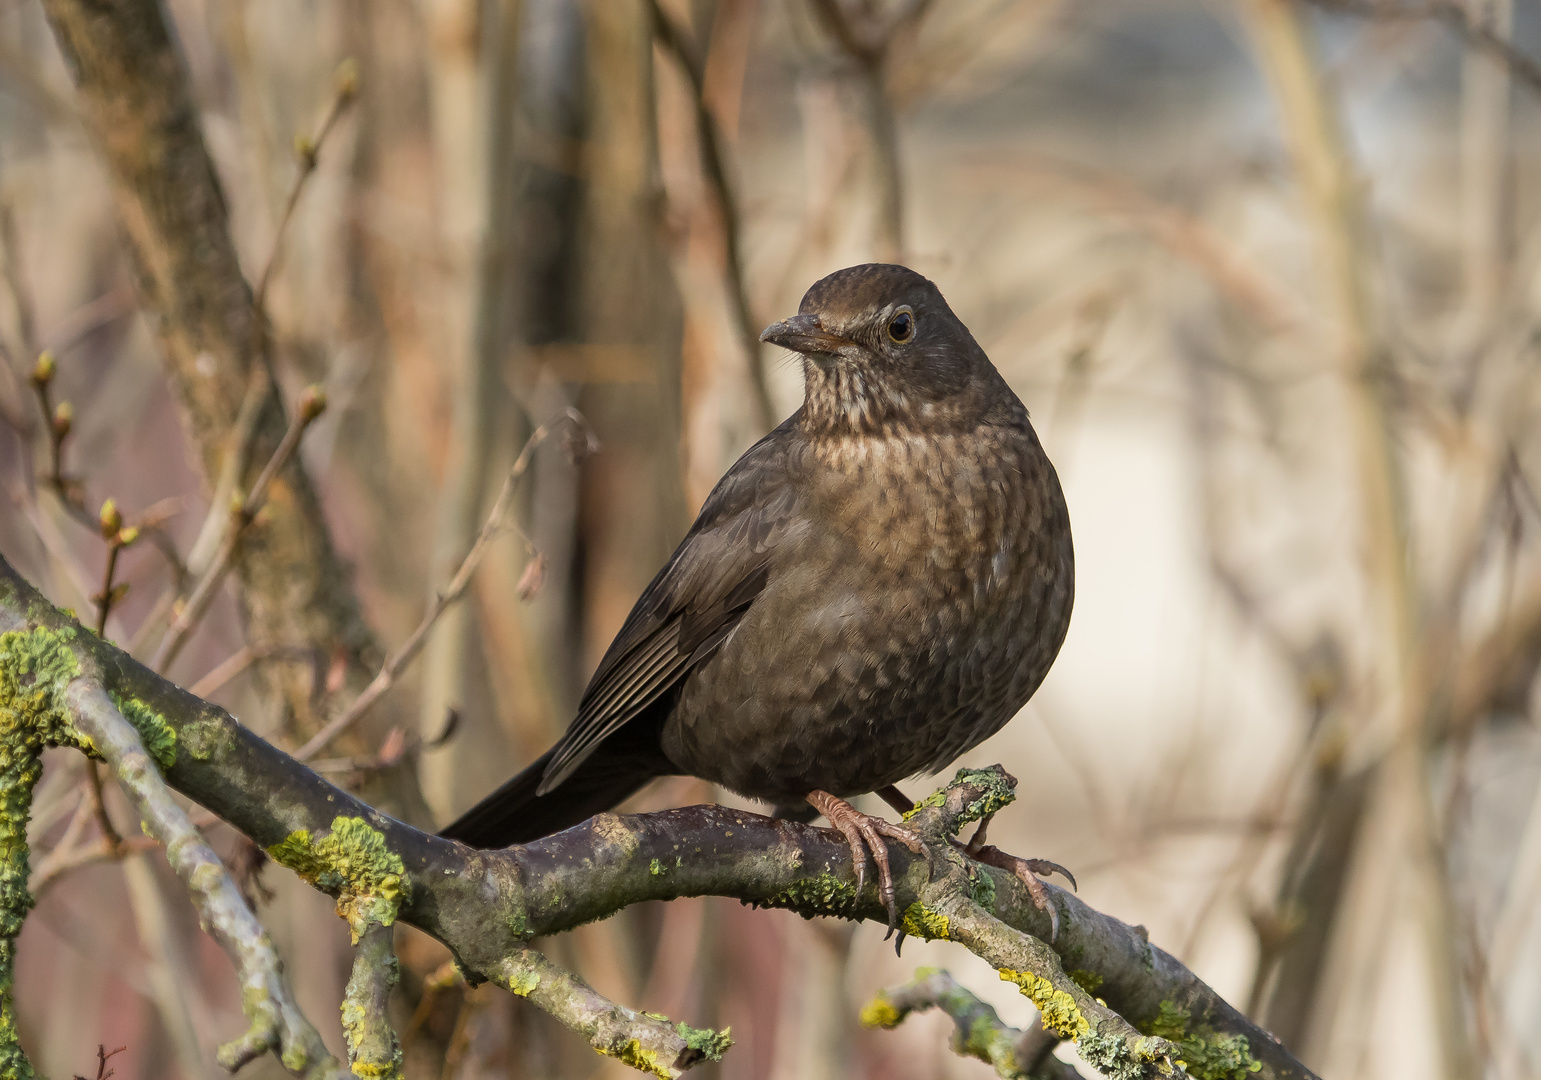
312	403
457	586
714	166
307	149
1475	32
642	1040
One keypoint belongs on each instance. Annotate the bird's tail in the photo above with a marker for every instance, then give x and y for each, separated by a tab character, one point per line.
515	814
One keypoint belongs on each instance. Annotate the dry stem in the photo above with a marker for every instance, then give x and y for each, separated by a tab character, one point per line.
403	656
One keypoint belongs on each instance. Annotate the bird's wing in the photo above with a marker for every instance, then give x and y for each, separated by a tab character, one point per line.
692	605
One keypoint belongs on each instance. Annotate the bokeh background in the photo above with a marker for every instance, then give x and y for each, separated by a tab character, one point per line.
1267	275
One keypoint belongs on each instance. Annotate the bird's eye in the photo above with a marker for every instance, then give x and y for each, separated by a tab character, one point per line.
902	326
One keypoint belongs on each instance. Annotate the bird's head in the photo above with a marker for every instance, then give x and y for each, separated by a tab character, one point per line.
881	349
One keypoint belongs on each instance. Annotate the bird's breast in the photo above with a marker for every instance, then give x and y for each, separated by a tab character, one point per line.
916	612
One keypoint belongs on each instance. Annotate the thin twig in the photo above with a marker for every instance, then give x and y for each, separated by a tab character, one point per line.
58	862
242	659
312	404
308	151
404	655
58	420
103	1055
1476	33
714	166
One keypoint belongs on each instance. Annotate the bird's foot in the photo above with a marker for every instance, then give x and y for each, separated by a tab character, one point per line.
1025	870
865	833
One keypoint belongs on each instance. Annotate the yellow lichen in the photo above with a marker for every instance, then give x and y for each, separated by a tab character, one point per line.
633	1053
920	921
353	862
880	1013
1058	1009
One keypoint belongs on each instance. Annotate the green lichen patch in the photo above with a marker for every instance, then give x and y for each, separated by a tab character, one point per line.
920	921
35	668
202	738
633	1053
710	1044
881	1013
1058	1009
981	887
1089	981
1170	1022
158	736
1117	1060
656	868
998	792
352	862
1206	1053
821	894
934	801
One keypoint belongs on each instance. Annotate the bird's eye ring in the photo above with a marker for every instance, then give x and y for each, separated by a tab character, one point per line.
901	327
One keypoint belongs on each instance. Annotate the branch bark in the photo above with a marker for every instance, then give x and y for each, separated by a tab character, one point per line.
486	906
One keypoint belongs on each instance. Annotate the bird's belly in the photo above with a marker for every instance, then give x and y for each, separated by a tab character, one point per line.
848	674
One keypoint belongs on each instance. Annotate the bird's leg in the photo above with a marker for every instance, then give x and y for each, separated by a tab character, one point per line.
895	798
865	833
977	841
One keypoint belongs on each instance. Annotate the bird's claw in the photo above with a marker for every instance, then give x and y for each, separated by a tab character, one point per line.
864	834
1026	871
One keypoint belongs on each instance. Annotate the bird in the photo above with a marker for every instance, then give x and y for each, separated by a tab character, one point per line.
869	592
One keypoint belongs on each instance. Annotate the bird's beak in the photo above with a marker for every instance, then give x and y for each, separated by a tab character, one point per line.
802	333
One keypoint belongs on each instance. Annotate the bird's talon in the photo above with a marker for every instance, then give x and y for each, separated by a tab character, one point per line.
1044	868
1025	871
865	835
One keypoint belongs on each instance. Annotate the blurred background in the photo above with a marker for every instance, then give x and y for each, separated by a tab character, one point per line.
1267	275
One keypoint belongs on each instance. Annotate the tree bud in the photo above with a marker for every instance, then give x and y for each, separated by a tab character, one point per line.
312	402
110	519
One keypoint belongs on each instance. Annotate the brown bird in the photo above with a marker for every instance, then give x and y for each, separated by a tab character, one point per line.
873	589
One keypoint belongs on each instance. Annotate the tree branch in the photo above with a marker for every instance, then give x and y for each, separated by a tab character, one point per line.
1454	15
715	169
276	1021
980	1032
486	906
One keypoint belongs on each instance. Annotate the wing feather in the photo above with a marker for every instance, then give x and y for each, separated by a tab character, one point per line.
693	604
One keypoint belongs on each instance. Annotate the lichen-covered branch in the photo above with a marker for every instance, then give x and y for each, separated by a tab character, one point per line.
276	1021
645	1041
979	1032
486	906
373	1049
